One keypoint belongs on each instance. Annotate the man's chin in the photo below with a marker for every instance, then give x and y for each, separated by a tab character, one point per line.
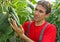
36	20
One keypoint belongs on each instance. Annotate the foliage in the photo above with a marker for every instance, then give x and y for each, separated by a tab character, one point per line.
20	8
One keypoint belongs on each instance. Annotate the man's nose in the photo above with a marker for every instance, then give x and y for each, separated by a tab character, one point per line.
36	12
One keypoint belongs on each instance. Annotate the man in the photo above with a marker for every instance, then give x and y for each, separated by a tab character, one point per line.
41	12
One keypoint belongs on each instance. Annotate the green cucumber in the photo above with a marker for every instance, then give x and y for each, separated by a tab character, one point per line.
14	15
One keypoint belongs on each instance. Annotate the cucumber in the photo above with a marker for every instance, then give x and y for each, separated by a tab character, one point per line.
13	15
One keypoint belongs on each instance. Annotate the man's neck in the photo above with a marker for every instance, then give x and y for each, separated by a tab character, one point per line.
39	23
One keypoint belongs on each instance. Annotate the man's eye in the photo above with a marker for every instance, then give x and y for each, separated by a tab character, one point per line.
40	11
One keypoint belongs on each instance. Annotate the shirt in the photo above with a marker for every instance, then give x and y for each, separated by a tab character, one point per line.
34	32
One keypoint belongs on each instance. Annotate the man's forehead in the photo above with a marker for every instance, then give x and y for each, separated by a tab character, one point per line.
40	7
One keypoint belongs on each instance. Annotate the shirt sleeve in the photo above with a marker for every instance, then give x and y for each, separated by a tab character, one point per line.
50	34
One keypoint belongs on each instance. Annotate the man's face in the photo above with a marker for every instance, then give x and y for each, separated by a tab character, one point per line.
39	13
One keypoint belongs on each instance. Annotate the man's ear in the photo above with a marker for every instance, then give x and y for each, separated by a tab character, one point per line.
47	15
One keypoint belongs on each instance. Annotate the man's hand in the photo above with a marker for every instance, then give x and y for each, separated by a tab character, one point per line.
19	30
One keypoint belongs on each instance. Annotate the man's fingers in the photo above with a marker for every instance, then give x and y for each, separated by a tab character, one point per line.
21	27
13	27
13	22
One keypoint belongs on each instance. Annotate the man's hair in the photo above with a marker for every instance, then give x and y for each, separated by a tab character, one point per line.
46	5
